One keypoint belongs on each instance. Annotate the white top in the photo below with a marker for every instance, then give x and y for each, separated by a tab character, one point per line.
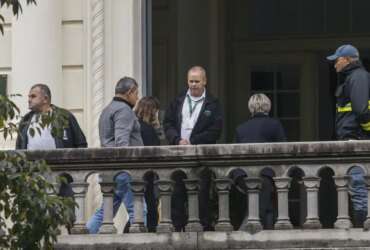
43	140
190	113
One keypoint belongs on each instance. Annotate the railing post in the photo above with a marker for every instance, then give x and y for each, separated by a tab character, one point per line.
192	188
282	186
367	221
343	220
79	191
138	188
312	185
223	189
107	226
253	224
165	189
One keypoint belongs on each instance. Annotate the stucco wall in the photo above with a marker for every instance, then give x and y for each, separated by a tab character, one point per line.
74	51
75	87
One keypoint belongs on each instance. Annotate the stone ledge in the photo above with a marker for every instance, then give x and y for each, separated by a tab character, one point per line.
259	152
355	239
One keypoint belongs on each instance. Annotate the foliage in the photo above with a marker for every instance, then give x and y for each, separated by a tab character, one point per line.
57	119
25	198
8	113
16	9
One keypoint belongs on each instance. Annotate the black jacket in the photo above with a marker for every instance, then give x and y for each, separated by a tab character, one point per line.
353	93
73	137
260	128
207	129
149	134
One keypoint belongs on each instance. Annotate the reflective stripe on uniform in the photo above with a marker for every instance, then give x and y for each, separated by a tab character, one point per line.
365	126
348	108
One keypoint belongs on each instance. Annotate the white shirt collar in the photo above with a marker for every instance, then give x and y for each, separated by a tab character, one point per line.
196	98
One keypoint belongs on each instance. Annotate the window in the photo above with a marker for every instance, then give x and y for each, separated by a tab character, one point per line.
281	84
3	84
299	17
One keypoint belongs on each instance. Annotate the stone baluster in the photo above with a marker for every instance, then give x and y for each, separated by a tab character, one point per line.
165	189
282	185
107	226
192	187
138	188
253	224
312	185
79	190
367	221
343	220
223	189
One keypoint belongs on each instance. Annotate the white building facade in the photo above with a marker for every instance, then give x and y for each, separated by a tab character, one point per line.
79	48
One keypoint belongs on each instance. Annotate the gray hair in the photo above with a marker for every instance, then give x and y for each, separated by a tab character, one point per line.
199	69
259	103
125	84
45	90
353	59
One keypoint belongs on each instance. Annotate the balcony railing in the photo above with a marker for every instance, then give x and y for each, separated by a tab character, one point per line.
309	159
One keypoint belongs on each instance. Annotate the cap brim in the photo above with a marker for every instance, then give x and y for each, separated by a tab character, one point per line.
332	57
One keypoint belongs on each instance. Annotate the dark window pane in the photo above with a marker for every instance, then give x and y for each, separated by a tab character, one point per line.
360	15
263	15
287	77
338	16
288	105
291	128
289	16
313	16
262	81
3	84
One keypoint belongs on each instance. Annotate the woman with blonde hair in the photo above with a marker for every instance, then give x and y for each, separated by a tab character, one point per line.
260	128
147	112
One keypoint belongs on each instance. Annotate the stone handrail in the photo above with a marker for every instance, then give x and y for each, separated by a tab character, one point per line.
309	157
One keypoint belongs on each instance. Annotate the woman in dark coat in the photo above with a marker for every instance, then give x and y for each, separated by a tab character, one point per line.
258	129
147	112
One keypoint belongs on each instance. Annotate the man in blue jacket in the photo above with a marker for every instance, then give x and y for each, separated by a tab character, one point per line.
353	116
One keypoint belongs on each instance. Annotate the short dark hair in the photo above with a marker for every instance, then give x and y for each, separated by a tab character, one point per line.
125	84
44	89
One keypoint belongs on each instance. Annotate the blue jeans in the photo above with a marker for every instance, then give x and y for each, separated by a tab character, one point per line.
123	194
358	192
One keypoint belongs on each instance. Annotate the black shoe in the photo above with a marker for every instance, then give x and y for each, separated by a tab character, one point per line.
126	230
240	185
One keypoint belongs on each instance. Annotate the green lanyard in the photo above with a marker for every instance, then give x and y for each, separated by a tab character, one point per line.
192	108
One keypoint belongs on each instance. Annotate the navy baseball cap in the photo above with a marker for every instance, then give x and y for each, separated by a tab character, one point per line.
344	50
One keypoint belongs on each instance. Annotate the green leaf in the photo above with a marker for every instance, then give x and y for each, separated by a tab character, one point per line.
32	132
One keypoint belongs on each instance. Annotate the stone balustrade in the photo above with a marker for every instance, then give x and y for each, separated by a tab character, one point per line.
284	160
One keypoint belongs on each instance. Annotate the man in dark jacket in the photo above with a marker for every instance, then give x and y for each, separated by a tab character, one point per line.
352	116
49	137
194	118
39	102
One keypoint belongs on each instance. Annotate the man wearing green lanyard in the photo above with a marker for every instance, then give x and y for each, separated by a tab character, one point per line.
194	117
